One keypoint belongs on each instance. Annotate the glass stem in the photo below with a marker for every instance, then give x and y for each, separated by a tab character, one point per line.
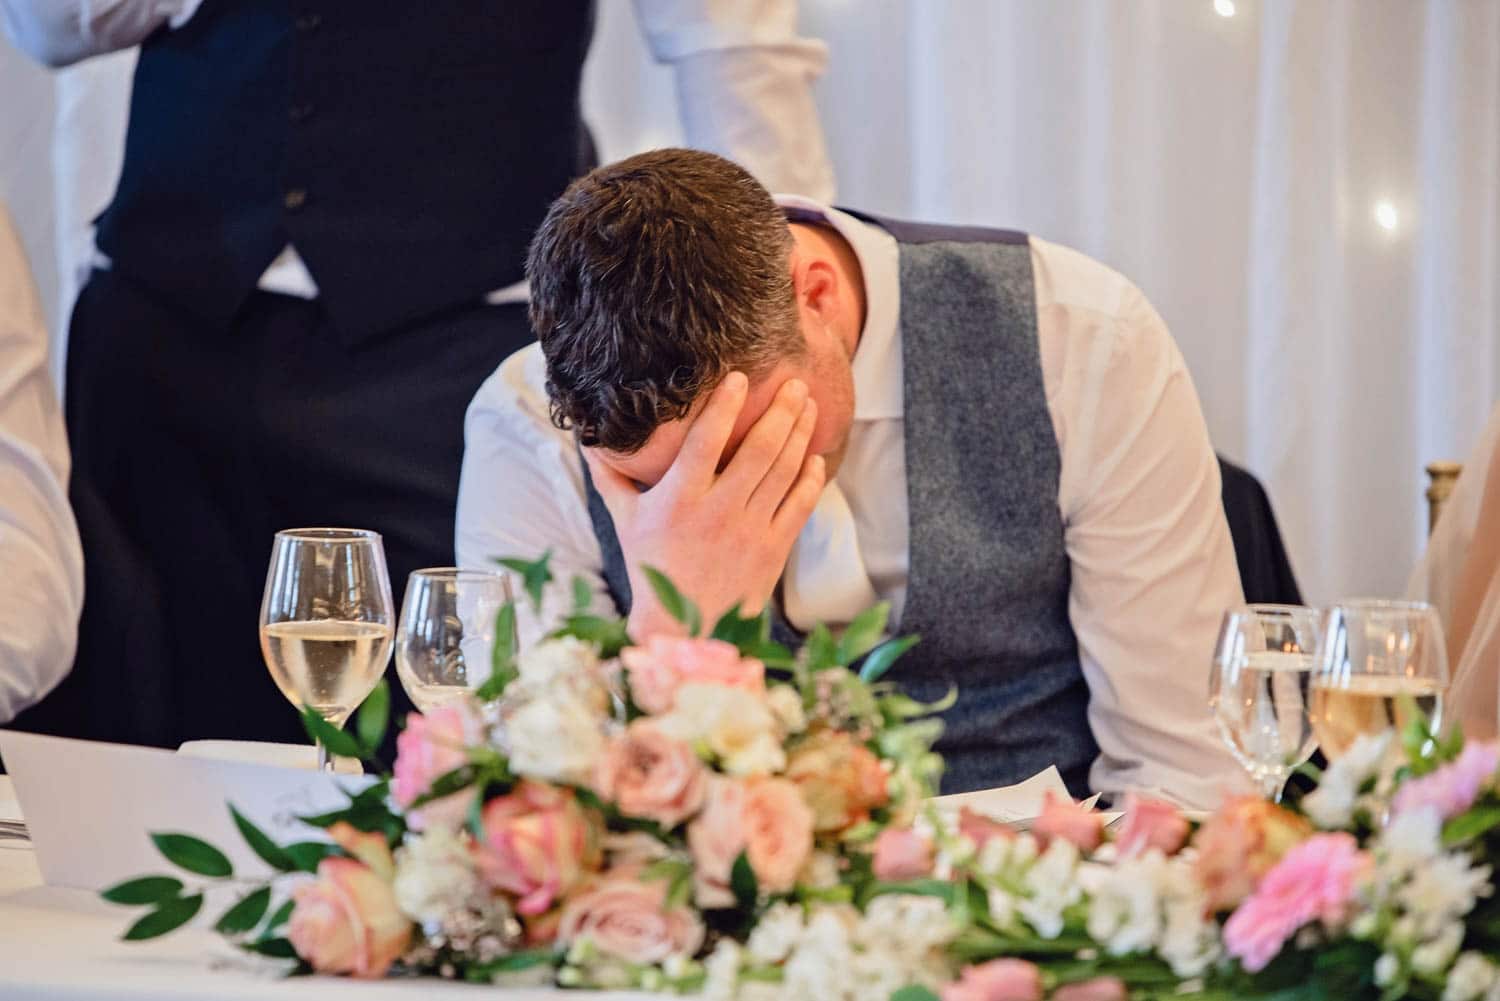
325	760
1272	785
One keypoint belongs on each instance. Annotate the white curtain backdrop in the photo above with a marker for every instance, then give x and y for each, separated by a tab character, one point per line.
1307	190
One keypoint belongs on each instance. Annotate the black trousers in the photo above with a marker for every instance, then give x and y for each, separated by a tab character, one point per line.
193	446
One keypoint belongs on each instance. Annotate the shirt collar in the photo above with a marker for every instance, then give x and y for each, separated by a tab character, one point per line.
877	364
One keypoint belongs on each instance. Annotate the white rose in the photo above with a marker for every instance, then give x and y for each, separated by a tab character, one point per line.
1331	805
785	703
1411	840
775	934
1051	887
555	738
1442	890
735	725
721	972
1471	977
434	875
556	659
1432	958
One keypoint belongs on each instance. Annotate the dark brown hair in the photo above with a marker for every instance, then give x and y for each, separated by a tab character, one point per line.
651	279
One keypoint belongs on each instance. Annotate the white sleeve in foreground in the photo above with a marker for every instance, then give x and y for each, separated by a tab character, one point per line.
60	32
744	86
521	493
1153	565
41	587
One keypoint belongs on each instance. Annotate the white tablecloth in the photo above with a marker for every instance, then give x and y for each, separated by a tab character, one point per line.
63	945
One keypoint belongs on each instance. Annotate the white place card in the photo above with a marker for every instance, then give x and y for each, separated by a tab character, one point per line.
91	807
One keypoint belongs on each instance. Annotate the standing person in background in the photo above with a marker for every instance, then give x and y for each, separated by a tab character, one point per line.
313	259
41	589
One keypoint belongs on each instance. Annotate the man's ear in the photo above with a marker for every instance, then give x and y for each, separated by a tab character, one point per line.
815	284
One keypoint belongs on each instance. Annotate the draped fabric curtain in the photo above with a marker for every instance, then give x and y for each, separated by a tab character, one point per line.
1306	189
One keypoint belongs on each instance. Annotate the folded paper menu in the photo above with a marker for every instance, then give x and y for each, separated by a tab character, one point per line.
1018	804
90	807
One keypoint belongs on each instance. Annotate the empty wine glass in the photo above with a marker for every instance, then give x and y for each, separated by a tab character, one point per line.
325	620
1258	689
1380	663
445	640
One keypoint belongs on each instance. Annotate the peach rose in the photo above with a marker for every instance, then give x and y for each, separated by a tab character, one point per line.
665	663
715	838
902	853
778	832
369	847
1097	989
628	918
981	829
347	921
1062	818
841	779
648	774
1151	823
432	745
538	843
997	980
1240	843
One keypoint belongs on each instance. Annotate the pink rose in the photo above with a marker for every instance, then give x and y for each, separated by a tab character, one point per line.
628	918
1453	788
369	847
1314	881
902	853
1097	989
981	829
997	980
778	832
431	746
649	774
538	843
716	837
347	921
1151	823
1062	818
666	663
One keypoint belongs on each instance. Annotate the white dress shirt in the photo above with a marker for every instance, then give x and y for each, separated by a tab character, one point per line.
41	564
1153	566
744	85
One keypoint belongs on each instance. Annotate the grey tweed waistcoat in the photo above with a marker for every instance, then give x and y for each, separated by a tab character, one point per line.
987	586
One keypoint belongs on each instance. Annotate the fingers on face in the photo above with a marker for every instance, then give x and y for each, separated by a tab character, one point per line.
616	489
704	444
801	499
764	443
778	480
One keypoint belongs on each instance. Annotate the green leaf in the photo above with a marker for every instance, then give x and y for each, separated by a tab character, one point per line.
269	851
914	992
747	634
885	655
583	595
608	635
188	852
821	651
535	575
373	717
276	948
323	732
305	855
863	633
1473	824
772	654
482	973
167	916
282	915
742	882
942	889
145	890
502	655
246	914
673	602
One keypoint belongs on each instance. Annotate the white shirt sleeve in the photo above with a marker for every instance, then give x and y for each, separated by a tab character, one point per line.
744	86
59	32
41	588
521	493
1152	560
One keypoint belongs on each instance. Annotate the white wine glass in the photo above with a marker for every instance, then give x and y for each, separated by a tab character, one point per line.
1379	664
446	636
1258	689
325	620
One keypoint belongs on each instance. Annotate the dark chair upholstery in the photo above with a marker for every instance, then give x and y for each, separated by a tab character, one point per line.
1265	570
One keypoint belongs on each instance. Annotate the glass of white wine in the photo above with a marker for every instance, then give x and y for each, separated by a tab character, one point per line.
1380	662
1258	689
446	636
325	620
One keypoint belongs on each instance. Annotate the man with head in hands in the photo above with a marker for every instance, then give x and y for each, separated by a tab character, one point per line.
779	403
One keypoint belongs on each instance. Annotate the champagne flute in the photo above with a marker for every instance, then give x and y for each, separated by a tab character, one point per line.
1379	662
447	632
325	620
1258	689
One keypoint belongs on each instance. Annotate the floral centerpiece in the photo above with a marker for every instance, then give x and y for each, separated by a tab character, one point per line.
716	814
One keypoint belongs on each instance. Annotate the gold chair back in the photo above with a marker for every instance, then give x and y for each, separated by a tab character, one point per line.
1441	478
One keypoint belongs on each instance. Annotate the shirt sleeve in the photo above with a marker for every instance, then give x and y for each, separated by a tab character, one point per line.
521	494
60	32
1152	560
744	86
41	590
